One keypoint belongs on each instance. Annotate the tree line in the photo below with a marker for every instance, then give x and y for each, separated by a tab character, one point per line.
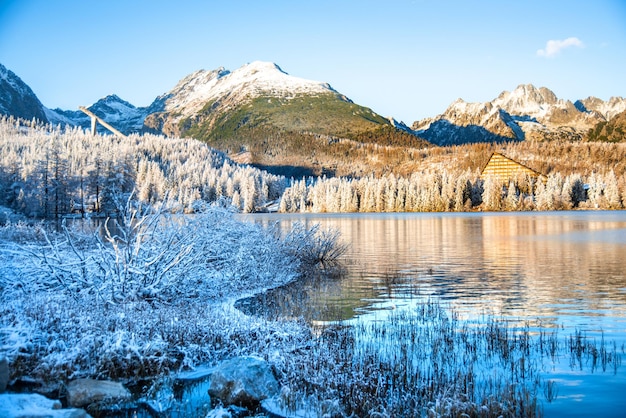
455	191
48	172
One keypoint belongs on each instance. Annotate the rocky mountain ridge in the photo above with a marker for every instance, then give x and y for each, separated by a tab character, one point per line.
17	98
203	96
526	113
210	104
119	113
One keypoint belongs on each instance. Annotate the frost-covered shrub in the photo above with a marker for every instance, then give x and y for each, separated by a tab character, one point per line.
157	256
314	247
146	294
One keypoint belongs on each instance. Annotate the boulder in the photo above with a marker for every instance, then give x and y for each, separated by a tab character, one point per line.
4	374
243	381
84	392
22	405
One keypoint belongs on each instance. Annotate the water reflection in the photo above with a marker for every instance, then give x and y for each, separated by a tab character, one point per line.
556	267
564	270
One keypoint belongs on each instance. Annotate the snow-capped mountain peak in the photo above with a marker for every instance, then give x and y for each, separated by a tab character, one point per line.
115	109
192	93
608	109
527	100
528	112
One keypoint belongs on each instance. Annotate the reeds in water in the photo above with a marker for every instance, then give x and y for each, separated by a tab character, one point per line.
425	361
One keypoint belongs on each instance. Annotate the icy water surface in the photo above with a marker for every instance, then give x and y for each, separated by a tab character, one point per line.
563	271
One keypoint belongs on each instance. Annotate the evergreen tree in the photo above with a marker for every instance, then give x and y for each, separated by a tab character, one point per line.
492	194
611	191
511	202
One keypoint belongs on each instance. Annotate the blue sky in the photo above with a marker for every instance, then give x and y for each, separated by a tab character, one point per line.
403	58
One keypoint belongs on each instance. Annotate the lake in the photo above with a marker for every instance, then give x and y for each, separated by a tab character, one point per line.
561	271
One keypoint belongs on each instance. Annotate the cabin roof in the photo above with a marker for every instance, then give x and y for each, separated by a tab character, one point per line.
506	169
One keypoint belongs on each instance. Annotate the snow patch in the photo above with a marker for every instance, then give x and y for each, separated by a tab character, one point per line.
33	405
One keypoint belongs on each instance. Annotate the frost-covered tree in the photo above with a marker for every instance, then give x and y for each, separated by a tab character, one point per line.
512	201
611	191
52	170
492	194
462	193
549	197
595	191
573	192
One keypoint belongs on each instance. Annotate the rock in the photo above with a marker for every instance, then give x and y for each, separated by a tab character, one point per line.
22	405
4	374
83	392
243	381
160	397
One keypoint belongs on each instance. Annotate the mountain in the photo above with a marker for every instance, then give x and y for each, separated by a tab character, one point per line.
122	115
606	110
526	113
215	104
284	124
17	98
614	130
263	116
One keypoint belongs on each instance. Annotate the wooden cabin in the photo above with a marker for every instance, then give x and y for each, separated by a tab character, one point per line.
506	169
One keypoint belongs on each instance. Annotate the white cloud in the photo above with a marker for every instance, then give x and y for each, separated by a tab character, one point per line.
553	47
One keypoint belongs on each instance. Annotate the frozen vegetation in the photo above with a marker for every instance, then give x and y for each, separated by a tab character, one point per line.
451	190
146	288
145	295
49	172
151	294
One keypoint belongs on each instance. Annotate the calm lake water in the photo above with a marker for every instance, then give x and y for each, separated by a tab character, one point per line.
556	270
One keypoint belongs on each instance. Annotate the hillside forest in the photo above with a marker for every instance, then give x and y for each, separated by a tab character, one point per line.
50	172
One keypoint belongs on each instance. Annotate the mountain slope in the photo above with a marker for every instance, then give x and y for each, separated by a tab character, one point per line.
285	124
612	131
606	110
526	113
17	98
216	104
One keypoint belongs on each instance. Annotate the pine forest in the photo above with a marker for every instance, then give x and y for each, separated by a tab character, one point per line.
51	172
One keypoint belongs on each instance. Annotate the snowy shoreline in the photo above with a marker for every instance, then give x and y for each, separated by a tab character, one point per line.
66	314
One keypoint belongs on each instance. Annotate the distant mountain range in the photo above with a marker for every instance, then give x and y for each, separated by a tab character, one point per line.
235	110
526	113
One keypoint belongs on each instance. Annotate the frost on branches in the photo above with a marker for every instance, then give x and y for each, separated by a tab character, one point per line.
142	295
48	172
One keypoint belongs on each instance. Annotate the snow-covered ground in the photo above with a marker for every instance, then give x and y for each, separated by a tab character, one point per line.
151	296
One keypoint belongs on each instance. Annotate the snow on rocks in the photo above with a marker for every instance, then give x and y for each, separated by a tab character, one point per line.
243	381
4	374
219	412
22	405
162	399
84	392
